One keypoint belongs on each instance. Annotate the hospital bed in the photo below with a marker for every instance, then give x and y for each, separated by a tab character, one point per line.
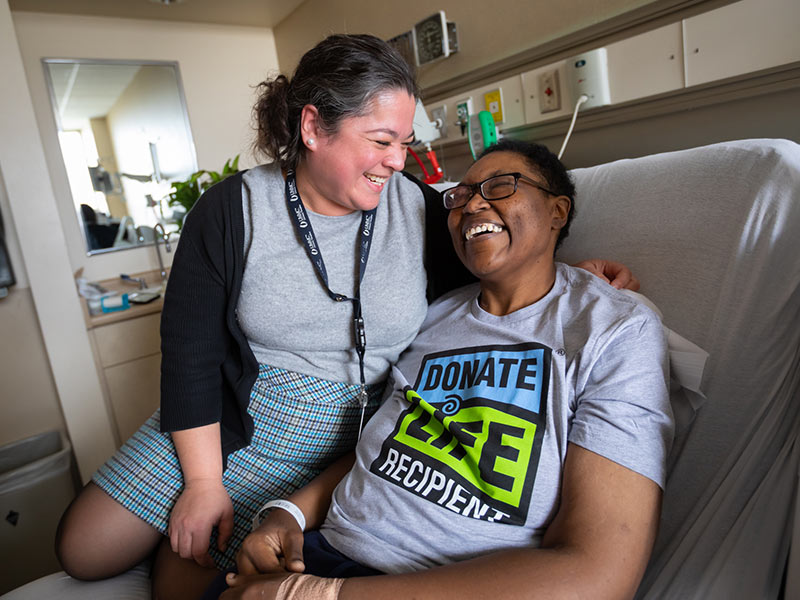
714	235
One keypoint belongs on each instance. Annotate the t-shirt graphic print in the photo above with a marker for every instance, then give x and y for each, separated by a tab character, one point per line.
471	437
466	454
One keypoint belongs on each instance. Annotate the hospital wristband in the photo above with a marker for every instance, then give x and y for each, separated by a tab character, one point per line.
286	505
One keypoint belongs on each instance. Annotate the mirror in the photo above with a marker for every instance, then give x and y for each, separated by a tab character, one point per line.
124	134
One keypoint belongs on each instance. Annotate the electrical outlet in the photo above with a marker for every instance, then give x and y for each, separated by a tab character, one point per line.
439	116
549	92
463	111
494	104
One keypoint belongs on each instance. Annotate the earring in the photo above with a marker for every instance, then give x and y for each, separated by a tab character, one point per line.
310	141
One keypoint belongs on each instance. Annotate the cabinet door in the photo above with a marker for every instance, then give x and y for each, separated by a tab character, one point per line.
134	390
127	340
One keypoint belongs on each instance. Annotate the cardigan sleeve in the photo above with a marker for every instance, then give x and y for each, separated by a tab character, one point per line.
194	338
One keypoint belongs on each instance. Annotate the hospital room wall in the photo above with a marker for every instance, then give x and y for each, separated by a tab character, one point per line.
49	382
28	396
731	72
489	31
663	97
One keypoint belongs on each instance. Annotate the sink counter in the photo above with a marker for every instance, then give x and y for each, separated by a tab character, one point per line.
127	351
136	310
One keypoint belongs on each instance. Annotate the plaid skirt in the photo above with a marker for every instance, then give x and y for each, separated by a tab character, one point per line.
302	424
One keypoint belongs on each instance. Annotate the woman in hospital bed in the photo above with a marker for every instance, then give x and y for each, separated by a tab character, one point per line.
520	449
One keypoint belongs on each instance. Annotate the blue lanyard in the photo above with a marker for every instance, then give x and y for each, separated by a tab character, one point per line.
305	232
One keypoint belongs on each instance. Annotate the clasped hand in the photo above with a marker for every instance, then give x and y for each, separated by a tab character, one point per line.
267	556
276	546
203	504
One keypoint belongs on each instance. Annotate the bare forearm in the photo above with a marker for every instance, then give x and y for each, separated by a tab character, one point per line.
508	575
199	452
597	546
204	503
315	498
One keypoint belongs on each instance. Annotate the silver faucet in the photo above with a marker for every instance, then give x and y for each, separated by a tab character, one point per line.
164	236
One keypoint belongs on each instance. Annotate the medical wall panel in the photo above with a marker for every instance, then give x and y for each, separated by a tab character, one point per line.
513	112
647	64
739	38
531	92
513	109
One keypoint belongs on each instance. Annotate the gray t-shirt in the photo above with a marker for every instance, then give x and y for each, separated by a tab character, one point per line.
465	456
284	310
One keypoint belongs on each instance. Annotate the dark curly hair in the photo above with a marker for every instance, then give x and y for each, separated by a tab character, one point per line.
548	166
340	76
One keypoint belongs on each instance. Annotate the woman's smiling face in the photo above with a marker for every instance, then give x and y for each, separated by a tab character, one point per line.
505	240
347	170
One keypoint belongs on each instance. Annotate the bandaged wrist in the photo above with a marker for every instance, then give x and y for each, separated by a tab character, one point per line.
308	587
286	505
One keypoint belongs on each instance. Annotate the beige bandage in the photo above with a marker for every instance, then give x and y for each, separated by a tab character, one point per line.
308	587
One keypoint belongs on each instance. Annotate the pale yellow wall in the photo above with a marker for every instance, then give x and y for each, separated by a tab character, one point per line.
149	111
105	151
28	397
219	65
487	31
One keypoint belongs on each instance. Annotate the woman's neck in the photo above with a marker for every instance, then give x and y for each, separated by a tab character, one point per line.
313	198
506	296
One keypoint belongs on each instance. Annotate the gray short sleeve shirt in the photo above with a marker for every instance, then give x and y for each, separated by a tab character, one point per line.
465	456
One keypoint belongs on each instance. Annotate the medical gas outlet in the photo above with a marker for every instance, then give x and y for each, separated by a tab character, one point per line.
463	111
439	117
549	92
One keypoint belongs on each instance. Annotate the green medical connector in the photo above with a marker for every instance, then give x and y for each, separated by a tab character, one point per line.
482	132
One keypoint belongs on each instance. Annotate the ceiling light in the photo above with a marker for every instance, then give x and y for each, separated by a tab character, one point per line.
166	2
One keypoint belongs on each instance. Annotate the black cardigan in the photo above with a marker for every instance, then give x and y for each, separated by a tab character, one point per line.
205	356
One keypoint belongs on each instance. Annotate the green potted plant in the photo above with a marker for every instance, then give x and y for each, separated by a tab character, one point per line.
184	194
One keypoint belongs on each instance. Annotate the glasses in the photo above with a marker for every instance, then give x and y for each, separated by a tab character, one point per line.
493	188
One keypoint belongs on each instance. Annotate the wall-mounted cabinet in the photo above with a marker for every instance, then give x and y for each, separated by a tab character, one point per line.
741	38
646	64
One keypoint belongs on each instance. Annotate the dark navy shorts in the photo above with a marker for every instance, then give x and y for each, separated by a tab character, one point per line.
321	559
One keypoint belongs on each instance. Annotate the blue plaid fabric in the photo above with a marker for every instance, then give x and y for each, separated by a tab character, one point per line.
302	424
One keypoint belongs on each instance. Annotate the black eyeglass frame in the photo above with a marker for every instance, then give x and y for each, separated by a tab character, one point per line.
477	188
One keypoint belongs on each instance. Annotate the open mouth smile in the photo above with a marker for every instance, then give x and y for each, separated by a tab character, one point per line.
482	229
376	179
